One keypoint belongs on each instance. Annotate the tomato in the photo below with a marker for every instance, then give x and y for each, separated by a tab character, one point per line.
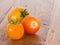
15	31
31	24
17	14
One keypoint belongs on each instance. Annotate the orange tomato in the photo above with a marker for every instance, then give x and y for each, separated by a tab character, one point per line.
17	14
15	31
31	24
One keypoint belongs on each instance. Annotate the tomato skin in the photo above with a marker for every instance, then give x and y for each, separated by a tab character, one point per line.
15	32
14	15
31	24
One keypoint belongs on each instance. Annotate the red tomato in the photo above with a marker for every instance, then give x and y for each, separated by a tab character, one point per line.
31	24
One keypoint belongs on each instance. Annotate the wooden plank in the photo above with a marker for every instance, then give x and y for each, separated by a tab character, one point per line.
4	7
53	37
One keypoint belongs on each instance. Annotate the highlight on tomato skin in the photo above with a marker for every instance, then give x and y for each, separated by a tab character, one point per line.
31	24
15	31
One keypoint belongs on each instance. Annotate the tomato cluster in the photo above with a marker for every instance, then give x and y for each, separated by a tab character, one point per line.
20	22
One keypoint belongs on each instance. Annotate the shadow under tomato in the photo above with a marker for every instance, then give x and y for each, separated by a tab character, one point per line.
35	39
27	40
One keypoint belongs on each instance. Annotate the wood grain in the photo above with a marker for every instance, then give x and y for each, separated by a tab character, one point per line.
53	37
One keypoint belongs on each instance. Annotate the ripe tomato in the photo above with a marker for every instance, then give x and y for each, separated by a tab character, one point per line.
31	24
17	14
15	31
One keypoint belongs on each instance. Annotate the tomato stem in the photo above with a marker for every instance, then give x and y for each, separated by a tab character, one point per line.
24	13
13	22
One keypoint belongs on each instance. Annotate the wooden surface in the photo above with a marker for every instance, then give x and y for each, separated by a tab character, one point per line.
53	37
38	8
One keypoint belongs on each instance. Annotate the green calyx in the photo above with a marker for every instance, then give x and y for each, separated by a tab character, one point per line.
24	13
13	22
